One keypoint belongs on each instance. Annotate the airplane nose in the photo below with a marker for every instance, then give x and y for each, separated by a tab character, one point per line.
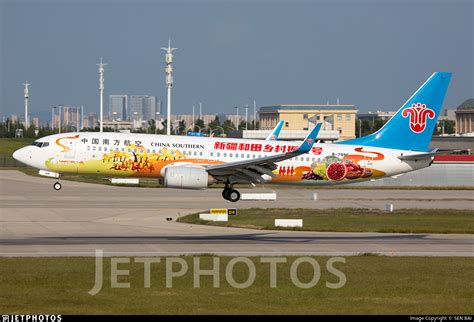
21	155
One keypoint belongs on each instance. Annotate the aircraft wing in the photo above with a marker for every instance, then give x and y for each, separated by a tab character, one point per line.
427	155
253	169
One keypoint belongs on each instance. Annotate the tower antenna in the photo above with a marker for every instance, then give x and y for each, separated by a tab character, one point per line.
101	93
169	82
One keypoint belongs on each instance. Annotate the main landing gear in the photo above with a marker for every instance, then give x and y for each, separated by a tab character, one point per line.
57	186
230	194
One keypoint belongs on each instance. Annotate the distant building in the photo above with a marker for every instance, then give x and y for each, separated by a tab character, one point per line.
338	117
149	108
56	121
118	107
448	115
35	121
188	119
235	119
71	117
91	120
465	117
118	125
136	108
373	116
143	108
208	118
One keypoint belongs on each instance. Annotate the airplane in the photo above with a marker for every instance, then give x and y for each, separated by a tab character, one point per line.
400	146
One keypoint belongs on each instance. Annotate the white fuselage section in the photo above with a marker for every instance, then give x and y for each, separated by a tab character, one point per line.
147	155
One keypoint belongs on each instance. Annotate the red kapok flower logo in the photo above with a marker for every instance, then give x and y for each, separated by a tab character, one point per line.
418	114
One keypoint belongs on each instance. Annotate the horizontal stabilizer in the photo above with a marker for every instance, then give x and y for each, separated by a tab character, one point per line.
423	156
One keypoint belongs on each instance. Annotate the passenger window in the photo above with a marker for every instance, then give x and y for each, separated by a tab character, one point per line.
88	148
200	153
225	154
100	148
230	155
218	154
93	148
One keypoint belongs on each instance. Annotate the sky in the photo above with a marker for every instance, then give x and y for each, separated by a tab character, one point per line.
373	54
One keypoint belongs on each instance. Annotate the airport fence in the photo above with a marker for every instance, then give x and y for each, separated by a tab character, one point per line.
7	161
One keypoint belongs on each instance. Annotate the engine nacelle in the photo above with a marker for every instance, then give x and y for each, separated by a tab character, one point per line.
186	177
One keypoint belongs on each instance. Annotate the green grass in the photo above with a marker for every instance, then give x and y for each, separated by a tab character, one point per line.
7	147
353	220
375	285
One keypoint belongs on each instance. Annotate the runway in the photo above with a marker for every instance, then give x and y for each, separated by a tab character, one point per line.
35	220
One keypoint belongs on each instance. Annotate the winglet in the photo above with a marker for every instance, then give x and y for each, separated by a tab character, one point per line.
307	144
276	132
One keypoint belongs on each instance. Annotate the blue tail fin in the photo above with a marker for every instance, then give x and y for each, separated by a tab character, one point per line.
276	132
412	126
307	144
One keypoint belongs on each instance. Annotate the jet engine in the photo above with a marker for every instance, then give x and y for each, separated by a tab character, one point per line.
187	177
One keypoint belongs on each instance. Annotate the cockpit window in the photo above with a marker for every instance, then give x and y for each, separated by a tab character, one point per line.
40	144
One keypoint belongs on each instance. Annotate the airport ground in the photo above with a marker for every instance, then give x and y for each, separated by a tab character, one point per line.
80	218
48	238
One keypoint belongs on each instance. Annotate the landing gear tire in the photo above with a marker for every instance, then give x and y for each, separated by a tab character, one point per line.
57	186
224	193
233	195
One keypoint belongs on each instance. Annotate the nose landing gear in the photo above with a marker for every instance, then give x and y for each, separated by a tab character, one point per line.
230	194
57	186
